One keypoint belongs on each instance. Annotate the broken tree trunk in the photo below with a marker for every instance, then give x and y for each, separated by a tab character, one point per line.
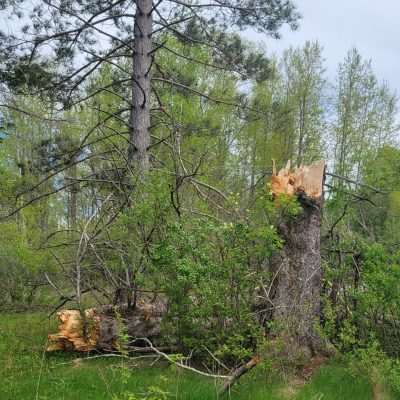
296	268
102	328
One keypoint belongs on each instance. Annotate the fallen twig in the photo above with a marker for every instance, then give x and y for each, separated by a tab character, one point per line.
180	364
255	360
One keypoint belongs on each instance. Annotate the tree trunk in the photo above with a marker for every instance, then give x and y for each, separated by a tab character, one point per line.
73	196
297	268
103	328
141	87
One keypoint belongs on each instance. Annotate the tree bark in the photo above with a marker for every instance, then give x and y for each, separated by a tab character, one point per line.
138	154
297	289
296	293
73	196
103	328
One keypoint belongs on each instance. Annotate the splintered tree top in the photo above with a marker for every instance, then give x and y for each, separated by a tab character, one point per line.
306	179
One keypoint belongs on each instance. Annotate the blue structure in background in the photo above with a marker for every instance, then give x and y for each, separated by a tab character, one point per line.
4	125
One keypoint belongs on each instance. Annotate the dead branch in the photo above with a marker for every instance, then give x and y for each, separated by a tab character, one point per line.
239	372
343	178
180	364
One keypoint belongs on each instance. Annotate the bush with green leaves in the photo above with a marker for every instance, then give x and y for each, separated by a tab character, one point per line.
211	271
372	362
21	266
377	299
366	305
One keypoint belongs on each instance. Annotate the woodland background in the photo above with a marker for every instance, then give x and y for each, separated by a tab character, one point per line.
84	221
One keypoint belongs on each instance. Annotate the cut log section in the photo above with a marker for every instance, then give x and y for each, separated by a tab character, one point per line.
307	180
101	328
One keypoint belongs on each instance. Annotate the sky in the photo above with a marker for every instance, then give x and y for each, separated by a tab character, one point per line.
372	26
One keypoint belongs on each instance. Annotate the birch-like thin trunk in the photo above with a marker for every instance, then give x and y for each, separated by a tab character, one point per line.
73	197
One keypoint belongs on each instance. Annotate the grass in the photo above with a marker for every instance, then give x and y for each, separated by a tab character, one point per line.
26	372
334	382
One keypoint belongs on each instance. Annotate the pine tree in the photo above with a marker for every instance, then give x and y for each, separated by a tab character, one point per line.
77	37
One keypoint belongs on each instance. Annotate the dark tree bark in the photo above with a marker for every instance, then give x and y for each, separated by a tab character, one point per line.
141	86
297	267
297	288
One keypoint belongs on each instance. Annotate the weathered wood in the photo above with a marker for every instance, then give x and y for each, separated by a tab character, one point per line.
101	328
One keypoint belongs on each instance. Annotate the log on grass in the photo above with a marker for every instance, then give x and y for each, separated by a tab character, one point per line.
101	328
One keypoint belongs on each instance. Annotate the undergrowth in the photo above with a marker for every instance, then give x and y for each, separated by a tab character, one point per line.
26	372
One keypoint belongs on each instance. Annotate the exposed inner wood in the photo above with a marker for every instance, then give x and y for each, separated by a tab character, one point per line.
101	328
70	331
307	179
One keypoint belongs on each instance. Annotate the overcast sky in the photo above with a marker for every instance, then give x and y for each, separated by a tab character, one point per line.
372	26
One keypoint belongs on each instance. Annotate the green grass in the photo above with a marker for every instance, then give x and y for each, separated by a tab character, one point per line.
334	382
26	372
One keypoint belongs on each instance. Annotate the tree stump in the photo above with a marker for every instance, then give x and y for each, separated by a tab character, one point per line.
296	269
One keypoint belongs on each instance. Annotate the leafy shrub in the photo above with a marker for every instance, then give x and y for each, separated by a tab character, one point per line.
210	274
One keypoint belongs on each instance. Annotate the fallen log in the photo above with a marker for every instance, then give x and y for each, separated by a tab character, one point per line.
102	328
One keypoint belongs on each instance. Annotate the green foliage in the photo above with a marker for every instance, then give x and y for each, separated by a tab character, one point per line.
200	227
380	172
372	296
200	262
380	297
362	104
62	376
20	265
151	393
371	361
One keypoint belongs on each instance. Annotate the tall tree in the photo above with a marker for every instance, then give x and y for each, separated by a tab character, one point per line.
107	31
303	75
365	115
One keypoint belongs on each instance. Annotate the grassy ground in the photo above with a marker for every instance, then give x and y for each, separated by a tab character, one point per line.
26	372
